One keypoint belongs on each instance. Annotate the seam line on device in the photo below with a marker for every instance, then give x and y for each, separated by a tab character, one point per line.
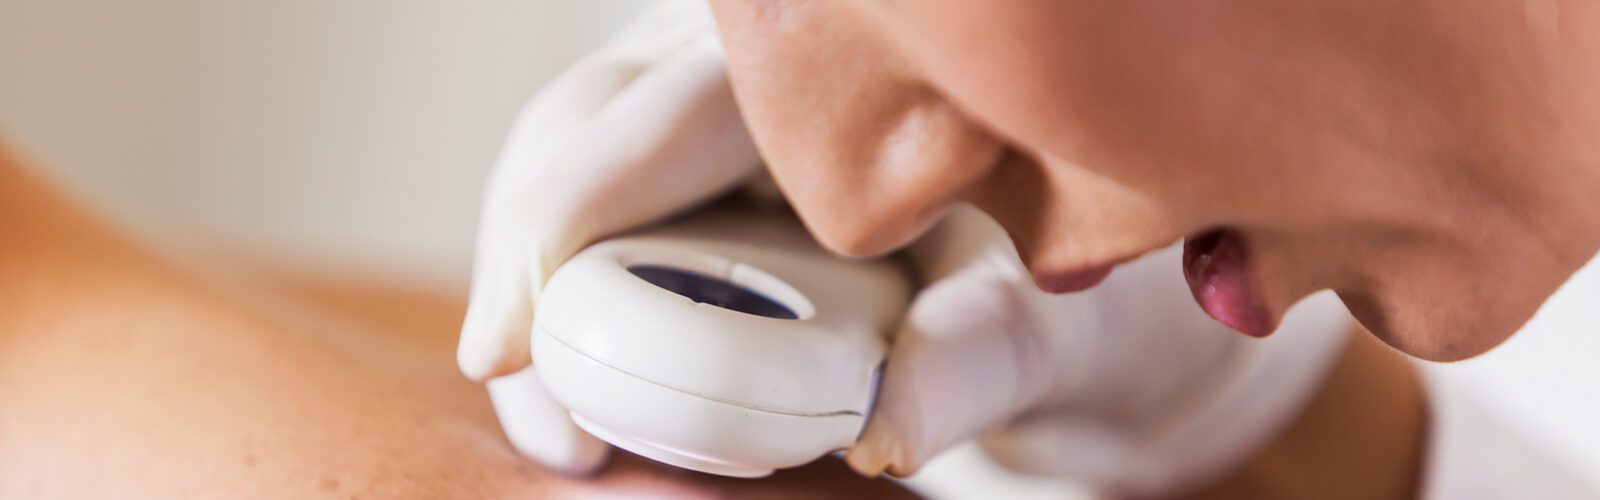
741	404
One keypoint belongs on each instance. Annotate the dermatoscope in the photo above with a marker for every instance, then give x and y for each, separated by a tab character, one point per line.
726	342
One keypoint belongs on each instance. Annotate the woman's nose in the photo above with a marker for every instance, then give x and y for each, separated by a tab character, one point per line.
877	192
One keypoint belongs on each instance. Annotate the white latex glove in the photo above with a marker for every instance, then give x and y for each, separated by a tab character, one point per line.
635	132
1128	386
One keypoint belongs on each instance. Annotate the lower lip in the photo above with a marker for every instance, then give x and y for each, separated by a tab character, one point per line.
1072	281
1217	267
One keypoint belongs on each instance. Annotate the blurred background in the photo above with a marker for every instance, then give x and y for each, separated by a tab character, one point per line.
356	135
349	135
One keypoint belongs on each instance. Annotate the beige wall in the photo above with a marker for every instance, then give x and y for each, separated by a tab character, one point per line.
337	133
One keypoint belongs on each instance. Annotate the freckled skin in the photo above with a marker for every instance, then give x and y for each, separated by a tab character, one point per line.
1431	161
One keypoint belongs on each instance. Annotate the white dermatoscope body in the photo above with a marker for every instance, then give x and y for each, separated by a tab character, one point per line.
725	342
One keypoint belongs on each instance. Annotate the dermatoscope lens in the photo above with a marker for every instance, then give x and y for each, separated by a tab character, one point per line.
708	290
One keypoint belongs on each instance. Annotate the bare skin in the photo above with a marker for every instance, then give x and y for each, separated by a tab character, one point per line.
1431	161
124	377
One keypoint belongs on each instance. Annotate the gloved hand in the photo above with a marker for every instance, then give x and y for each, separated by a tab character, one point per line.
1127	386
637	131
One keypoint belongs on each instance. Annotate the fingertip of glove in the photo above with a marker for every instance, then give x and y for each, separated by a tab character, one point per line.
576	455
870	457
583	460
481	363
865	464
877	455
470	364
491	347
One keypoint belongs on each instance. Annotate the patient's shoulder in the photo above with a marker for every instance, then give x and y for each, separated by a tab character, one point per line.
155	388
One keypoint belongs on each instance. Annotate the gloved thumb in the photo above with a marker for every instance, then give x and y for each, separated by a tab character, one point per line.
966	357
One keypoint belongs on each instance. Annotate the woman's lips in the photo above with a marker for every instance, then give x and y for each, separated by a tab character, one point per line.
1217	266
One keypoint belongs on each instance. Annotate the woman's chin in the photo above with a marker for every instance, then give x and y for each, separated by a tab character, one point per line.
1435	331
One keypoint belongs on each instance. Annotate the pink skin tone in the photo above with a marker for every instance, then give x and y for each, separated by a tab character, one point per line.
1430	161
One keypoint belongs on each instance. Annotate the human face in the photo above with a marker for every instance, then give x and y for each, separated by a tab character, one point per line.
1423	159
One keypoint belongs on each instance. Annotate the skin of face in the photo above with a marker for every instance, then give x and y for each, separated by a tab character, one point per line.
1428	161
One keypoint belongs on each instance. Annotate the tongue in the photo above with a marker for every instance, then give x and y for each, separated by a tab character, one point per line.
1217	269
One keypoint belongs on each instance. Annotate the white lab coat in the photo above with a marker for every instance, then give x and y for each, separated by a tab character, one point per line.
1473	454
1522	421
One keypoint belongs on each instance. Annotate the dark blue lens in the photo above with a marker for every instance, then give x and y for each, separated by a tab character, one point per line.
708	290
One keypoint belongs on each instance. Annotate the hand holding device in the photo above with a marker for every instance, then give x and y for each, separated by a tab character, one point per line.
727	342
642	129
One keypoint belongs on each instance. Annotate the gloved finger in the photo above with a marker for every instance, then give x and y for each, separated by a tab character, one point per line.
493	336
539	428
586	162
965	358
669	142
950	375
494	333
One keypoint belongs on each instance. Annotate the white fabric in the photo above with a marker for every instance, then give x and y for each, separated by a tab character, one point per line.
1472	455
1518	422
1128	386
